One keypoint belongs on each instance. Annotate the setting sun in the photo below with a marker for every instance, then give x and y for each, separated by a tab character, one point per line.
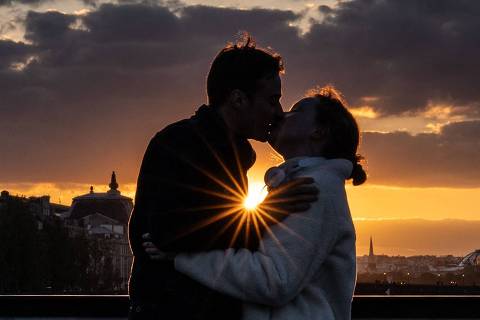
256	194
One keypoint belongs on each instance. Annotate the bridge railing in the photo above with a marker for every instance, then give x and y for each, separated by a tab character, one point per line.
116	306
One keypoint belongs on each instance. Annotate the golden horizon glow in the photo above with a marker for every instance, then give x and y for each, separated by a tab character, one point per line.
367	203
62	193
371	202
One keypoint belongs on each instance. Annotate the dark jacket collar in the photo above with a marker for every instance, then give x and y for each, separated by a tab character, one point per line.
215	130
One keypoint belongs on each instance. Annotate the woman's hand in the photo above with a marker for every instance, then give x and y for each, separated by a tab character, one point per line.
153	252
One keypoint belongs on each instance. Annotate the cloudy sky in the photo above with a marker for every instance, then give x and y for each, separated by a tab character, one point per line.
85	84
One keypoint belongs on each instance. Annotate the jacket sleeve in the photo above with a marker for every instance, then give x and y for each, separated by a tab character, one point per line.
159	191
288	258
149	193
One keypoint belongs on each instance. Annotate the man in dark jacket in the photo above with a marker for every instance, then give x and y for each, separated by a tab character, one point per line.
193	181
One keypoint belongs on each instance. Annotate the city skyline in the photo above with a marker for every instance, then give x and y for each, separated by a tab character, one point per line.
394	237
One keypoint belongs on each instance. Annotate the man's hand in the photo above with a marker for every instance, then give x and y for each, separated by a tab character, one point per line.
295	195
152	251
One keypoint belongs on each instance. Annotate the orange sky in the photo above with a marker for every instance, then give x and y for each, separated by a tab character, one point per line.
378	211
389	214
414	143
368	201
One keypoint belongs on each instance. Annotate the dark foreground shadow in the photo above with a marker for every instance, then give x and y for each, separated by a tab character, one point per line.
116	307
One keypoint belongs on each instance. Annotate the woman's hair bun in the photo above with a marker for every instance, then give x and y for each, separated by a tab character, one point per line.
358	175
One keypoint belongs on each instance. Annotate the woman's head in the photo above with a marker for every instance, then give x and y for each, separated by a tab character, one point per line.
320	125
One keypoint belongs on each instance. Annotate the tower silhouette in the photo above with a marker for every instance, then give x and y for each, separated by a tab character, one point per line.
370	252
372	264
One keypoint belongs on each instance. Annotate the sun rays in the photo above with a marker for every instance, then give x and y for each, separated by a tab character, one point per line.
245	214
241	216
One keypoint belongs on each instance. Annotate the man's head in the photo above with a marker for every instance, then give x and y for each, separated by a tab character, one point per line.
244	82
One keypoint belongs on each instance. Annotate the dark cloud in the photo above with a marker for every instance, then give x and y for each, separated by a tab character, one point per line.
449	158
13	2
49	28
88	91
92	3
11	52
98	86
407	53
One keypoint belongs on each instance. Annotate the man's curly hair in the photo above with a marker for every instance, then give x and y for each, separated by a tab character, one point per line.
239	66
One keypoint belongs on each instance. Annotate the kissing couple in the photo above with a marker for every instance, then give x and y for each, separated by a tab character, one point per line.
198	253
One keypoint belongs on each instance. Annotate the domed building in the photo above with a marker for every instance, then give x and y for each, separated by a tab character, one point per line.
110	204
104	216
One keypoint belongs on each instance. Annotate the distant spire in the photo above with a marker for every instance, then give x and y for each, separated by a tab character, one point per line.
113	182
372	265
91	189
371	254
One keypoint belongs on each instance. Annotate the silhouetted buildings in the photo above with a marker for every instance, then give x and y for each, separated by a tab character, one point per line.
40	207
95	225
105	216
445	270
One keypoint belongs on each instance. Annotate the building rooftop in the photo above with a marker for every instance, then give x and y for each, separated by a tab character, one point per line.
110	204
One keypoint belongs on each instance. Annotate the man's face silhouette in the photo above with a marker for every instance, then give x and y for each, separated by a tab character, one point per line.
265	109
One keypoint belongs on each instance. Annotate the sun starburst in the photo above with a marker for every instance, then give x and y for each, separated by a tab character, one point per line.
256	194
244	215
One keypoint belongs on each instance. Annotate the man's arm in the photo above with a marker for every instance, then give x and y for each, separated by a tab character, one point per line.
147	193
294	196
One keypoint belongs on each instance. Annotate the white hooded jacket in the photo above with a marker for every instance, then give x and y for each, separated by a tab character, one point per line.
304	268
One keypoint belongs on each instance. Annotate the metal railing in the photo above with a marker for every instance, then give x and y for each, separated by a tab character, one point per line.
116	306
